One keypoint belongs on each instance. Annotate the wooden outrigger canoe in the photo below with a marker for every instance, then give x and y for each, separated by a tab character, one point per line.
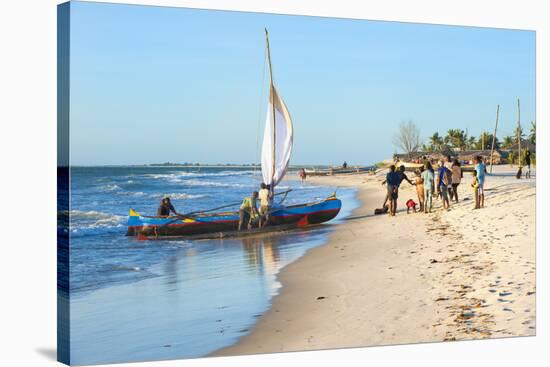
338	171
276	153
226	224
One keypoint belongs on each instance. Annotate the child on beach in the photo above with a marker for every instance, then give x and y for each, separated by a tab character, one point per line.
411	205
475	186
480	171
420	188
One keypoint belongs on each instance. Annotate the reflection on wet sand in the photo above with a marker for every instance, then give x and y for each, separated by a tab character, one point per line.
262	254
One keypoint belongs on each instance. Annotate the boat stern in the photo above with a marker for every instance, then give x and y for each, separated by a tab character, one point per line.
134	223
326	210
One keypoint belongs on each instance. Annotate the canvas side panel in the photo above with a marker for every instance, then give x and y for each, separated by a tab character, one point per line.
63	183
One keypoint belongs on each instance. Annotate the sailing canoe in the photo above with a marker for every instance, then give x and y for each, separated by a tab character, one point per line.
276	153
213	225
339	171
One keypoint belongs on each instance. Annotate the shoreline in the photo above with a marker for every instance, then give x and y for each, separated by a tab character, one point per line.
425	278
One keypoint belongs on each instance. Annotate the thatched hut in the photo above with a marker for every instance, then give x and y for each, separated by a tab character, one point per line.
469	156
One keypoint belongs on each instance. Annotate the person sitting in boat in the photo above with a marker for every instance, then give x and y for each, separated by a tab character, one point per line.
265	203
166	208
248	212
345	165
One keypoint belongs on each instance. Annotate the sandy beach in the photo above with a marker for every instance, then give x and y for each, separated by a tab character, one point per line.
449	275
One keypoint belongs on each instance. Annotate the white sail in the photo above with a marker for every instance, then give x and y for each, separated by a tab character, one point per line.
277	144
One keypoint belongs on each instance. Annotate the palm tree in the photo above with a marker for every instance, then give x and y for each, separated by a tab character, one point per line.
427	148
533	133
436	141
508	142
486	141
471	142
518	131
456	138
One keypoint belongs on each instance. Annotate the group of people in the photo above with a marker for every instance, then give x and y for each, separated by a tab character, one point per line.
441	181
249	213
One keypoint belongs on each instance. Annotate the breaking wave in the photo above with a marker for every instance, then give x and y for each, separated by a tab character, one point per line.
182	175
83	220
215	183
178	196
110	187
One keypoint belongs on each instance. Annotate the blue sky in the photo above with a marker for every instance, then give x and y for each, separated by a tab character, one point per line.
155	84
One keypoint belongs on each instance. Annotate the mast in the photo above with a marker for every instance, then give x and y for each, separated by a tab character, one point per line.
494	138
519	137
272	94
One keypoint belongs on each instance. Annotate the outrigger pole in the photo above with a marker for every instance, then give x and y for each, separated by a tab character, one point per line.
494	138
192	214
272	97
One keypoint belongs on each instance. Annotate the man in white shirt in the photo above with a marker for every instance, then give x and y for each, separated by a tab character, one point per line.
265	197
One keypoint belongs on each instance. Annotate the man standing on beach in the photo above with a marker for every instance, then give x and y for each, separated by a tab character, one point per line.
392	181
449	165
480	175
428	179
443	183
402	176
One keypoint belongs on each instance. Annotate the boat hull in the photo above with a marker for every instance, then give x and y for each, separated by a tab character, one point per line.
285	217
338	171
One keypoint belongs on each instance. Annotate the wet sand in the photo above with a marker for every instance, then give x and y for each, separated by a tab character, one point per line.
450	275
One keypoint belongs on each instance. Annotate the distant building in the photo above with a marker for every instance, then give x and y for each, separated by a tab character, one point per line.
469	156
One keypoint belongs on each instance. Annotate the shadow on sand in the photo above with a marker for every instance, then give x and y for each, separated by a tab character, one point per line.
49	353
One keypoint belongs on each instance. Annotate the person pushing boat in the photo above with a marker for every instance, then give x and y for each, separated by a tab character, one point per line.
265	197
248	211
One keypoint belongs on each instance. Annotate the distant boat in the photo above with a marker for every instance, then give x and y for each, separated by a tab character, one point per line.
276	153
339	170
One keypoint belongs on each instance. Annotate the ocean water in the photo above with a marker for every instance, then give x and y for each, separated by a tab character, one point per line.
136	300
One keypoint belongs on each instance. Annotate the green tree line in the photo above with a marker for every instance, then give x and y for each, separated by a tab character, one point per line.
460	140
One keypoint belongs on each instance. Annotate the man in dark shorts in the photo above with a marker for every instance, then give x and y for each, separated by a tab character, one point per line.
443	183
392	181
401	176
